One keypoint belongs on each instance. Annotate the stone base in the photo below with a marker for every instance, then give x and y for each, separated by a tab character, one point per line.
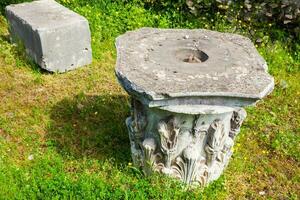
192	143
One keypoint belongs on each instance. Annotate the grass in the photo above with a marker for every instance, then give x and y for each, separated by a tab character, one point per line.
63	136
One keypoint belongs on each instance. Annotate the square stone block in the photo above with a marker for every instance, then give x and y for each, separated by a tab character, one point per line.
55	37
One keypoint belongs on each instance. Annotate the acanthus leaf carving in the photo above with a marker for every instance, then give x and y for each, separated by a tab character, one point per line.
215	141
136	152
151	157
139	121
194	149
186	165
168	132
202	172
236	121
136	125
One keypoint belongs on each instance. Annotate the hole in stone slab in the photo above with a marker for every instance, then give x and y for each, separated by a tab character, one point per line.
191	55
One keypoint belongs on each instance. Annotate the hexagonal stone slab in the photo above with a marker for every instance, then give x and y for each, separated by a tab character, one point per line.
55	37
172	66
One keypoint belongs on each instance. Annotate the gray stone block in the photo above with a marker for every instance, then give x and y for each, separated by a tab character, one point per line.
55	37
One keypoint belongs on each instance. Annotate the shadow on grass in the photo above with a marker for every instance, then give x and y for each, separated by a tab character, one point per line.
92	127
19	53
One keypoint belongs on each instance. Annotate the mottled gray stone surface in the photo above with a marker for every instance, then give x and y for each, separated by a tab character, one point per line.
159	65
55	37
187	89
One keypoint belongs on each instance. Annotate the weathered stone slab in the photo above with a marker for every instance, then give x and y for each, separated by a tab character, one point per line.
153	63
187	89
55	37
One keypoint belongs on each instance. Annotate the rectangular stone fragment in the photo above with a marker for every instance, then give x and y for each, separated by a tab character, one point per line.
55	37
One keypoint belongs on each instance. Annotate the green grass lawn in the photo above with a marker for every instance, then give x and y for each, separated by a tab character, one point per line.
63	136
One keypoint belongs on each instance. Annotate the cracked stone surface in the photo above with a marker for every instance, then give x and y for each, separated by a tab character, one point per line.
163	64
55	37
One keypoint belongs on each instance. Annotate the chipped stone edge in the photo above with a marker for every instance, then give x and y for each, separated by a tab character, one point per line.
150	98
